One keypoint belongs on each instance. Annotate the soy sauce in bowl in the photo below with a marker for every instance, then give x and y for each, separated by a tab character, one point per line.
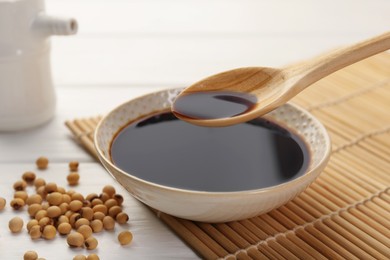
170	152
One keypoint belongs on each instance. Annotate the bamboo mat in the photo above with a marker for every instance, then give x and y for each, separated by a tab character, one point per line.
345	212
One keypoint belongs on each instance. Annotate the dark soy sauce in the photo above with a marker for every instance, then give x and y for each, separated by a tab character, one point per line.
171	152
214	104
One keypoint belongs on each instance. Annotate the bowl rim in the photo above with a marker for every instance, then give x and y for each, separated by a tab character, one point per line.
296	181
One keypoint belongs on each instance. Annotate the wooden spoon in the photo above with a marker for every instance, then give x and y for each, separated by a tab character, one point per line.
243	94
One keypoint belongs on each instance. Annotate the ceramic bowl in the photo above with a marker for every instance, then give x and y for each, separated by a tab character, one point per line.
212	206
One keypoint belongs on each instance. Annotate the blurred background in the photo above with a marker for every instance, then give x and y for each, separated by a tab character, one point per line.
169	43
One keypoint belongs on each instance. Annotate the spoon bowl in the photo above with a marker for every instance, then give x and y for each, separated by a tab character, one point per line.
239	95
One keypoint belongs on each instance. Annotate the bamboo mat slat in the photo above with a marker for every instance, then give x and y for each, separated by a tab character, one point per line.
345	212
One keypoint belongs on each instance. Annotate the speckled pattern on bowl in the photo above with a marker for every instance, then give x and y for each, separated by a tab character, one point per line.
212	206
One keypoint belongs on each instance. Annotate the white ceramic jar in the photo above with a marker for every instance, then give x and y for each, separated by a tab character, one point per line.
27	95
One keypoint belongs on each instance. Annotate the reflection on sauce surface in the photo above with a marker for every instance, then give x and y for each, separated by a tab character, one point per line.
171	152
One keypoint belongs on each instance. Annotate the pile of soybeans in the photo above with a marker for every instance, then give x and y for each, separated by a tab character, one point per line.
54	210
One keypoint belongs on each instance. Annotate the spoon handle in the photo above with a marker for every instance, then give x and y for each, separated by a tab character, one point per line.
323	65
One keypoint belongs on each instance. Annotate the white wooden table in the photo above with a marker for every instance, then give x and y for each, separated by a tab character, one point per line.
125	48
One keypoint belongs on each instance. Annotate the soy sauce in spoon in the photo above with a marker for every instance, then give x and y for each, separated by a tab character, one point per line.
214	104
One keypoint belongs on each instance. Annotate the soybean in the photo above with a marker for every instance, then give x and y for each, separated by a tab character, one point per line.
77	196
73	178
104	196
86	203
30	255
73	218
43	222
87	213
66	198
91	196
68	213
45	205
75	205
63	219
42	162
28	177
64	228
31	223
41	191
75	239
118	198
34	199
122	218
54	198
49	232
39	182
53	211
15	224
93	257
85	230
90	243
108	223
21	195
111	203
96	201
61	190
114	211
125	237
50	187
100	208
80	222
96	225
64	207
110	190
17	203
73	165
2	203
40	214
20	185
98	215
35	232
70	192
